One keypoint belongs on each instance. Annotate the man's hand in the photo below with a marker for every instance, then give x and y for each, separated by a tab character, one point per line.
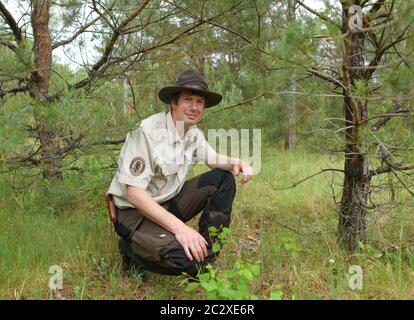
245	168
192	242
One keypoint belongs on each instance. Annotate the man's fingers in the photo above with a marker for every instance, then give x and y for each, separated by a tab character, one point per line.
247	174
194	244
204	248
246	178
204	245
187	252
195	253
203	241
236	170
202	251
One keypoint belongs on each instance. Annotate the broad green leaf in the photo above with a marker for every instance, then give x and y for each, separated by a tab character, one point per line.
216	247
209	286
192	286
277	295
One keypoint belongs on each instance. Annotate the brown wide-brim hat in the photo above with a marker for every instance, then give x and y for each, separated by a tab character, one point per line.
193	81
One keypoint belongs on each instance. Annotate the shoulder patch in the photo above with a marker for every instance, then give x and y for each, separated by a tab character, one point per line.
137	166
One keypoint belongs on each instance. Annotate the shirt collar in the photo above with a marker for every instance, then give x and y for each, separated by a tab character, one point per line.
174	134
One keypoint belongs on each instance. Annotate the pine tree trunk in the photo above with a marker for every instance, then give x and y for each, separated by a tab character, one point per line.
352	220
352	225
126	102
290	131
51	158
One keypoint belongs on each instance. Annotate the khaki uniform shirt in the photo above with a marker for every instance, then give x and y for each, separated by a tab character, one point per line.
157	159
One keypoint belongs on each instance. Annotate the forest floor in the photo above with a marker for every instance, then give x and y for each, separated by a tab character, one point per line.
290	233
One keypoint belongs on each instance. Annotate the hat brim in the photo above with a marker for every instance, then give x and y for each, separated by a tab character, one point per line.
166	94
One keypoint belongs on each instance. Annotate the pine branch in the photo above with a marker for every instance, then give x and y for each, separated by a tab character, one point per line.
75	35
391	167
9	45
381	122
318	14
8	17
12	90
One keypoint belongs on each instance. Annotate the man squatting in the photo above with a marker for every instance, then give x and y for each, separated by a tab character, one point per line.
154	201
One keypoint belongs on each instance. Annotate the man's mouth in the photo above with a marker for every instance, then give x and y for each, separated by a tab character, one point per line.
191	116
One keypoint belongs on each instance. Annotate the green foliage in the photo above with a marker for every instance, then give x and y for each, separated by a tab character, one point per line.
295	46
292	247
399	80
16	65
222	236
231	284
228	284
362	88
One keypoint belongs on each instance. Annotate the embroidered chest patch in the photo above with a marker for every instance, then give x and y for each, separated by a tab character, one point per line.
137	166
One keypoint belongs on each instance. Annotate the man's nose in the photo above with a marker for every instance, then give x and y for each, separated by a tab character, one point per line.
193	105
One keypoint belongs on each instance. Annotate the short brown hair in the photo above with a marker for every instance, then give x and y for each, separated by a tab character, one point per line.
176	95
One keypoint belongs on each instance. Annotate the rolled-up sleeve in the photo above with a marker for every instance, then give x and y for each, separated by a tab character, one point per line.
135	165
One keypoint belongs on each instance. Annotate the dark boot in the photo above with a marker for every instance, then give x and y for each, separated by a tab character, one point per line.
129	266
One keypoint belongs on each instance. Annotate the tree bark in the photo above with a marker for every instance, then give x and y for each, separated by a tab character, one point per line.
352	219
290	130
51	158
40	77
126	103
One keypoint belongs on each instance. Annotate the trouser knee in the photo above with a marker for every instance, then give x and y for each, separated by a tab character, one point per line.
222	198
181	264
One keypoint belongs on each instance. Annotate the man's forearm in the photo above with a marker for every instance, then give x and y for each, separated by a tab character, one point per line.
152	210
223	162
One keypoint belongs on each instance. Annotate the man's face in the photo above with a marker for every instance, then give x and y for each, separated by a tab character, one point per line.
189	108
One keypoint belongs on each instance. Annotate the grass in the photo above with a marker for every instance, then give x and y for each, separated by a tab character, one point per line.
291	232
